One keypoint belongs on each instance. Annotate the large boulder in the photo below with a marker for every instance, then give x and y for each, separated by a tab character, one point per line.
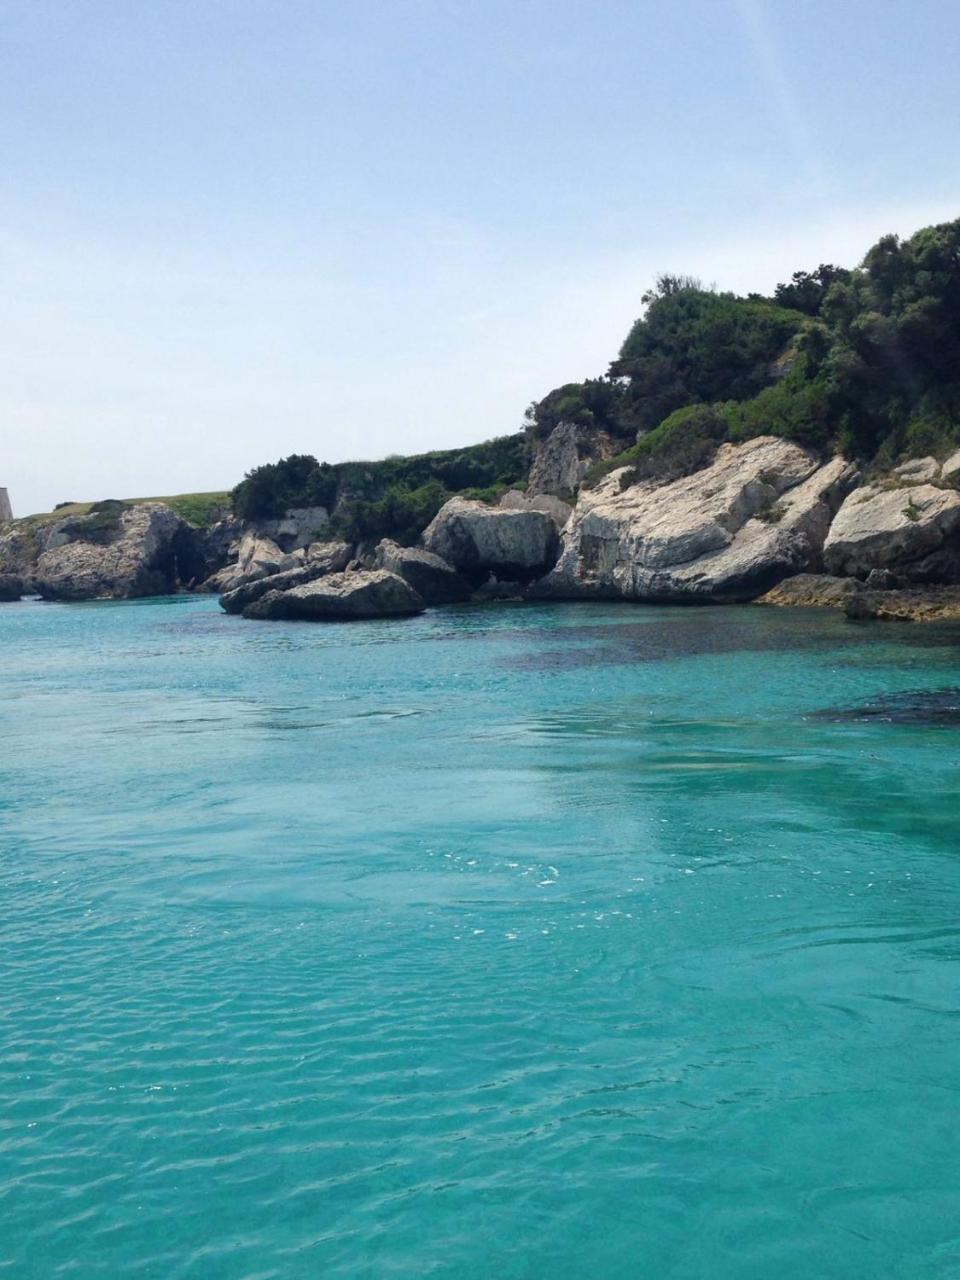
478	539
918	470
950	470
566	455
11	588
321	559
435	581
117	552
259	556
361	593
558	510
757	513
893	528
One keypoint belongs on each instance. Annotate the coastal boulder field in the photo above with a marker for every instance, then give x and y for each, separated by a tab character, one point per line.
318	560
764	520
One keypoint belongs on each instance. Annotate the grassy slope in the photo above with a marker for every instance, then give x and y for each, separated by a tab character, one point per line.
200	509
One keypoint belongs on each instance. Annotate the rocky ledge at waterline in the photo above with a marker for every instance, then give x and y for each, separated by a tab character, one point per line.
763	519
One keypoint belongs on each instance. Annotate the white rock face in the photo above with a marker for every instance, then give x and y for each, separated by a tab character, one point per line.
472	536
950	471
322	558
297	528
558	510
360	593
137	559
563	459
879	528
758	513
259	557
435	581
918	470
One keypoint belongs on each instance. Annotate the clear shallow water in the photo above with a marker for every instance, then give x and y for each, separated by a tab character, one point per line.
554	941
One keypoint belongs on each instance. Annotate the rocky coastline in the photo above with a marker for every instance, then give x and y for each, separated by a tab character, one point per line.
763	521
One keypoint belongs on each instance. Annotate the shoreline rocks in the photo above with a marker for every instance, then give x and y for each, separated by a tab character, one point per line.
435	581
477	539
356	594
941	604
811	590
114	553
890	528
11	588
759	512
322	559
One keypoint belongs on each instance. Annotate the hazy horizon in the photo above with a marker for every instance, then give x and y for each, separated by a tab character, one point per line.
240	231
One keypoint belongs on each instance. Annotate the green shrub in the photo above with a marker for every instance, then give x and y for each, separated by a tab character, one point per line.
683	443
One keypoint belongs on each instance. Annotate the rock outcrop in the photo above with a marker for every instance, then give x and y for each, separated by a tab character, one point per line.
322	558
758	513
435	581
259	556
558	510
19	549
918	470
116	553
297	528
941	604
894	528
805	590
360	593
950	470
477	539
11	588
566	455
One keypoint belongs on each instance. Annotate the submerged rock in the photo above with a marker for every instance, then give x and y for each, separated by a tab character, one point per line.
913	604
359	593
11	588
473	537
758	513
113	553
812	589
880	528
435	581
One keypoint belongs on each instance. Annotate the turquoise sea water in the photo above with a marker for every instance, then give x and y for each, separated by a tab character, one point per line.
525	942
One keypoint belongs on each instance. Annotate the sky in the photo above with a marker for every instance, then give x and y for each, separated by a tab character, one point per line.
231	230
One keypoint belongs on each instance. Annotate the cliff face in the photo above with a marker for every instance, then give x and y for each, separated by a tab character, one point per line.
758	512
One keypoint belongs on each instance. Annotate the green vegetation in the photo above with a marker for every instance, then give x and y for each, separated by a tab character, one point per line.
396	497
200	509
864	361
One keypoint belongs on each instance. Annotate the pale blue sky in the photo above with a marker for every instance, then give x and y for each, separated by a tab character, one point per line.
235	229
